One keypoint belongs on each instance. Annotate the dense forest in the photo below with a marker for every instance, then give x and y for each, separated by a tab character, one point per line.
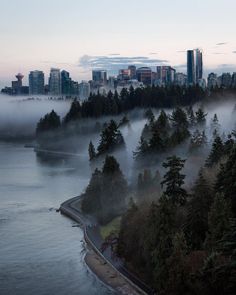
98	105
178	237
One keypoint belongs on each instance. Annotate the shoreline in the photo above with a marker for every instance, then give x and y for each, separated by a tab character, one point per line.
108	273
108	276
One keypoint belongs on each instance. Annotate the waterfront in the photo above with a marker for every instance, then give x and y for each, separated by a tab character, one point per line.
41	252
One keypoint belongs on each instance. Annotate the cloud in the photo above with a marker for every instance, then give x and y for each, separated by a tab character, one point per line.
221	43
181	51
234	51
153	53
113	63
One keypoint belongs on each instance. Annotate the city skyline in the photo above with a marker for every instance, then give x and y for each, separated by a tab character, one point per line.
70	37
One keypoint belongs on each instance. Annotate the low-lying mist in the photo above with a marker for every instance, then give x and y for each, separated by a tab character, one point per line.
19	116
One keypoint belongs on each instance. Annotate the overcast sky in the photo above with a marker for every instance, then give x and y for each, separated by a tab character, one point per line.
79	34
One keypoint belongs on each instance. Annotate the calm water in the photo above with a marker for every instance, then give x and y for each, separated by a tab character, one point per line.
40	250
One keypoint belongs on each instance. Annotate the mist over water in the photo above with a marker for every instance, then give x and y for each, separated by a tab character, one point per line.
20	114
40	250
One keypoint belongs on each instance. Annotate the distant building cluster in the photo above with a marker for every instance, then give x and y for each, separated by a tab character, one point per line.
60	83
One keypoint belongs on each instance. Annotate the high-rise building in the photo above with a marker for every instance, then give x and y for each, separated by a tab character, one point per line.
144	75
36	83
99	77
225	80
55	82
133	70
191	67
124	75
65	83
194	66
198	65
165	75
212	81
234	80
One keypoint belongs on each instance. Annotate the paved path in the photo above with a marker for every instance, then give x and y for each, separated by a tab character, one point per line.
93	237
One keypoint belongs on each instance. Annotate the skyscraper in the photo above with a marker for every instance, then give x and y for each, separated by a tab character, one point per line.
132	72
199	65
165	75
36	83
55	82
194	66
191	68
100	77
144	75
66	84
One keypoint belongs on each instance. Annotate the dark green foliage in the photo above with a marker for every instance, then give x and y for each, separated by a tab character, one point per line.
106	193
197	213
179	118
148	97
226	180
142	149
218	221
49	122
180	124
229	144
200	117
91	151
149	115
177	279
74	112
173	180
170	261
217	152
111	138
158	239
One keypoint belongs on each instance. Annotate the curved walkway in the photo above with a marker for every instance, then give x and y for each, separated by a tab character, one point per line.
92	236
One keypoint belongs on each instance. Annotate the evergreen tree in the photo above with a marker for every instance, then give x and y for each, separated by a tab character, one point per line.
226	180
91	151
158	239
111	138
200	117
180	125
215	126
142	149
179	118
49	122
74	112
197	212
218	221
229	144
216	153
177	280
173	180
105	196
149	115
